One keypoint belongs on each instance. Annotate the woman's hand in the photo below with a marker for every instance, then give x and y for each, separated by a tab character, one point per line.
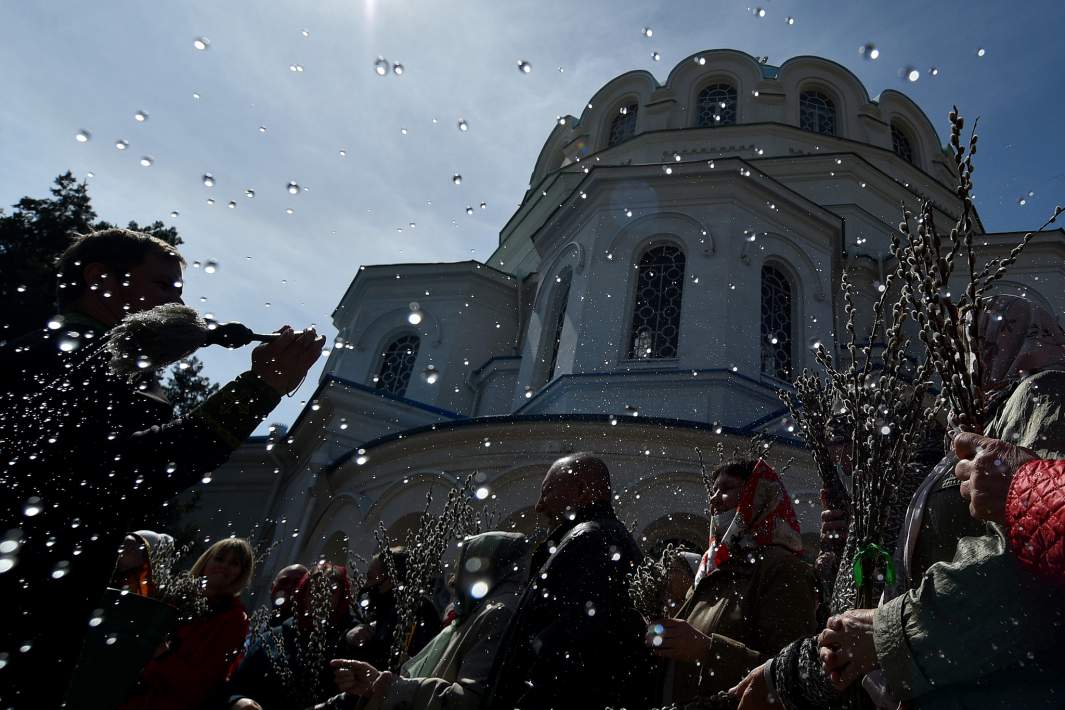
678	640
847	651
753	691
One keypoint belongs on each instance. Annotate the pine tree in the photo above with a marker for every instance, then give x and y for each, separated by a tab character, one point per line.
186	387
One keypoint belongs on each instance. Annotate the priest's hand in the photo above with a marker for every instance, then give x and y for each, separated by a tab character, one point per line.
847	651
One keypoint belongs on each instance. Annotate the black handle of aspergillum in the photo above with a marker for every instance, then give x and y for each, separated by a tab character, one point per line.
235	335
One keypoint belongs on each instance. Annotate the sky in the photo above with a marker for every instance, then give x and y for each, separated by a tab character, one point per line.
287	92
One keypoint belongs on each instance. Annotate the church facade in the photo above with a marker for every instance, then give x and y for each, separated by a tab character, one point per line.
673	264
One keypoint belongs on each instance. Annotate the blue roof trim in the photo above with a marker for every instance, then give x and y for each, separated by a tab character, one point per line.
535	418
492	359
553	384
396	398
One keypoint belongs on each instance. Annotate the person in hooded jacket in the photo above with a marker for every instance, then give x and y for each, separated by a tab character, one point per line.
194	664
576	638
451	672
753	594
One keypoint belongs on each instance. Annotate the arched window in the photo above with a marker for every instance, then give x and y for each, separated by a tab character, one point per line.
656	311
556	319
623	127
397	363
900	143
776	323
817	113
716	106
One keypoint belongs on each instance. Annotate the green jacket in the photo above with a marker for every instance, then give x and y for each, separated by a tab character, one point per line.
981	632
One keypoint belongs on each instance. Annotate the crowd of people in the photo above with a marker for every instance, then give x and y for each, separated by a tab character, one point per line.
970	610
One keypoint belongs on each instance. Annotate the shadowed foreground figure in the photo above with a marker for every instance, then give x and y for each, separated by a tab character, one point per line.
86	455
576	641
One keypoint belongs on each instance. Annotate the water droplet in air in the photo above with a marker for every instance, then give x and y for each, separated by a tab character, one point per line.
293	188
380	66
701	61
146	161
656	56
208	180
911	74
397	69
121	145
231	205
61	570
934	71
1022	201
343	153
174	214
201	43
298	68
289	210
82	136
869	51
305	33
210	266
524	67
262	129
249	193
469	210
31	507
482	493
140	117
981	52
648	32
790	20
479	589
759	12
457	179
463	126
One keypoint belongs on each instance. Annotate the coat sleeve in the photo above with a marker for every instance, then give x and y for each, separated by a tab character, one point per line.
469	689
172	456
942	634
784	610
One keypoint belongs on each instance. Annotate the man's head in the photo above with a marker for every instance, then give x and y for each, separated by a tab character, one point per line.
284	586
112	272
728	480
573	482
377	579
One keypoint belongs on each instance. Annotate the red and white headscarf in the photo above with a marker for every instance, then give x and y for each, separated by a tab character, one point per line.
764	516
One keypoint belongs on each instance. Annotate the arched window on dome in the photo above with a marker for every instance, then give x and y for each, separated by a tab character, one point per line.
656	310
817	113
716	106
556	319
900	142
623	126
776	323
397	364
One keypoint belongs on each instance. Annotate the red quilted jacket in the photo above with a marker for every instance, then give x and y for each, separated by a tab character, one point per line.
1035	518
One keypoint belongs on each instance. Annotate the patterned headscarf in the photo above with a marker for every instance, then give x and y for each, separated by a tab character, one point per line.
1020	338
764	516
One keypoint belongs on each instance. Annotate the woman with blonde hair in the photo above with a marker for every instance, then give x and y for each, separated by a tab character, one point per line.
193	666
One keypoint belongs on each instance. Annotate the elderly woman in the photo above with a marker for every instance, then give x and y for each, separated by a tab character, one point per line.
1024	379
194	665
453	669
752	595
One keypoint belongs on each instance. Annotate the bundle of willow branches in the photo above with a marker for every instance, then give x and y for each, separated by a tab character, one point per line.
886	401
811	408
647	584
950	330
426	546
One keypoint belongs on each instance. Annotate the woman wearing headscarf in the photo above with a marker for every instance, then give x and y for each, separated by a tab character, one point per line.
752	594
287	667
142	553
452	671
1023	358
195	663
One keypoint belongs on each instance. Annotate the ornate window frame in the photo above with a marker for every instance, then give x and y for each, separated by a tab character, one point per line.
654	335
808	94
727	115
621	122
903	142
776	322
398	383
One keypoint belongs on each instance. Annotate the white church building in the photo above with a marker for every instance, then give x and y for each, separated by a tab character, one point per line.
677	255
